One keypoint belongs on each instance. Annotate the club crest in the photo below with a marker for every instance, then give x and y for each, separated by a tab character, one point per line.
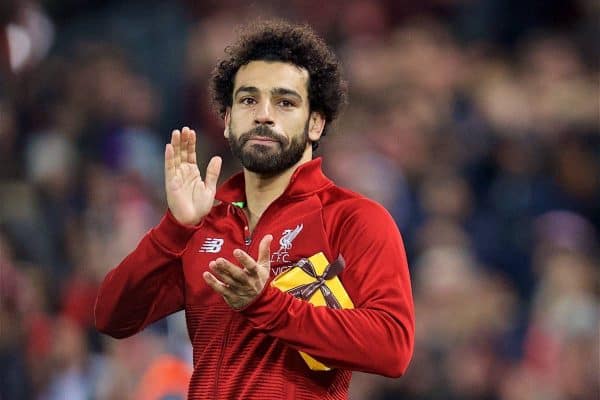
285	244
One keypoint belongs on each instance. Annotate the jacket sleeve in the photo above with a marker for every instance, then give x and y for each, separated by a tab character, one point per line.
147	285
377	336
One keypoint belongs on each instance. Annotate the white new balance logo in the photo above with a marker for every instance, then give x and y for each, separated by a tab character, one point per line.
211	245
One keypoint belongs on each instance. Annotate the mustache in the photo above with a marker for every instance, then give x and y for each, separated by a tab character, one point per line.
263	131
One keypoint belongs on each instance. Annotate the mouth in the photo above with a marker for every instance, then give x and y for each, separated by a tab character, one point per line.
262	140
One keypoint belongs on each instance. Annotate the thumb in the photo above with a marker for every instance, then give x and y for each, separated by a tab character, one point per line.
212	173
264	250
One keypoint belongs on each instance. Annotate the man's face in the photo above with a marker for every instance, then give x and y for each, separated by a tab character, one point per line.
268	126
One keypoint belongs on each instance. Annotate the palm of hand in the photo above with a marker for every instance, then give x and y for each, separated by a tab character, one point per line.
240	286
188	196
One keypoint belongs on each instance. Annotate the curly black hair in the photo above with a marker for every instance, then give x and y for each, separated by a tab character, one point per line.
279	40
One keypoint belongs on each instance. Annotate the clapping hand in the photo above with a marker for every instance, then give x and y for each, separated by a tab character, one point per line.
240	286
189	197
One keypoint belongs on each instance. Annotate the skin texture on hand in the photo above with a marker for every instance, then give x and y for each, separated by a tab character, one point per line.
189	197
239	286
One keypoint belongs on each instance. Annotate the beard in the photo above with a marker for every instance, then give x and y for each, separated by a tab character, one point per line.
267	159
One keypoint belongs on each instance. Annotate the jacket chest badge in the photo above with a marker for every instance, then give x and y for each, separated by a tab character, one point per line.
285	244
211	245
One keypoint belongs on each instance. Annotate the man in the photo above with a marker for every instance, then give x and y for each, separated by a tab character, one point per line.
277	90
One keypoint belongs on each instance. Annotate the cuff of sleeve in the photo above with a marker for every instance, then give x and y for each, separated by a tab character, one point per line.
263	312
172	235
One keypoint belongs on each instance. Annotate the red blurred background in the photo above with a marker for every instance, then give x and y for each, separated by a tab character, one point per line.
474	122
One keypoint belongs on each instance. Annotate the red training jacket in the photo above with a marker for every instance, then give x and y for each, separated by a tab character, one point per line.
253	353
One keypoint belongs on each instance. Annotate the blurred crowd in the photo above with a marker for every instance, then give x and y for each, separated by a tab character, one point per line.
474	122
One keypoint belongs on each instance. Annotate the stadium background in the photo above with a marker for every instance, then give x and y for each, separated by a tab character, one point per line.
474	122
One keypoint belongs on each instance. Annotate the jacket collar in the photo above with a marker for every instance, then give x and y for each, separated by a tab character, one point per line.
306	180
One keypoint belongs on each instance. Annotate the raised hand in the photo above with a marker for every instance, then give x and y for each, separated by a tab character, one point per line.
189	197
239	286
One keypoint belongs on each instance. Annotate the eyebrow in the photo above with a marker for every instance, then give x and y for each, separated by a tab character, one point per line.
279	91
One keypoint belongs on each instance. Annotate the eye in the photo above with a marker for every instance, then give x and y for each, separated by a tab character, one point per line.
247	101
286	103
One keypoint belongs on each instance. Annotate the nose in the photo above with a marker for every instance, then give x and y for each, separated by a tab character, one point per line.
263	114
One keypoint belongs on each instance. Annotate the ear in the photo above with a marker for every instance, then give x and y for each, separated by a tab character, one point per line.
227	120
316	124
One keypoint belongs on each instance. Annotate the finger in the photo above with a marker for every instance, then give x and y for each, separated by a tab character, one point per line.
176	143
221	276
212	173
245	260
264	250
191	150
185	135
169	162
216	284
231	274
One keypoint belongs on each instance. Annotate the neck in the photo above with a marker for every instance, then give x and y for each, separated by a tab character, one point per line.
262	190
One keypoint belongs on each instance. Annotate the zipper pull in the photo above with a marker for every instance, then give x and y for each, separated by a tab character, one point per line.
247	236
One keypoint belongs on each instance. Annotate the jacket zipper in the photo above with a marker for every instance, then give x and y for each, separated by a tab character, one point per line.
247	242
221	356
248	236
